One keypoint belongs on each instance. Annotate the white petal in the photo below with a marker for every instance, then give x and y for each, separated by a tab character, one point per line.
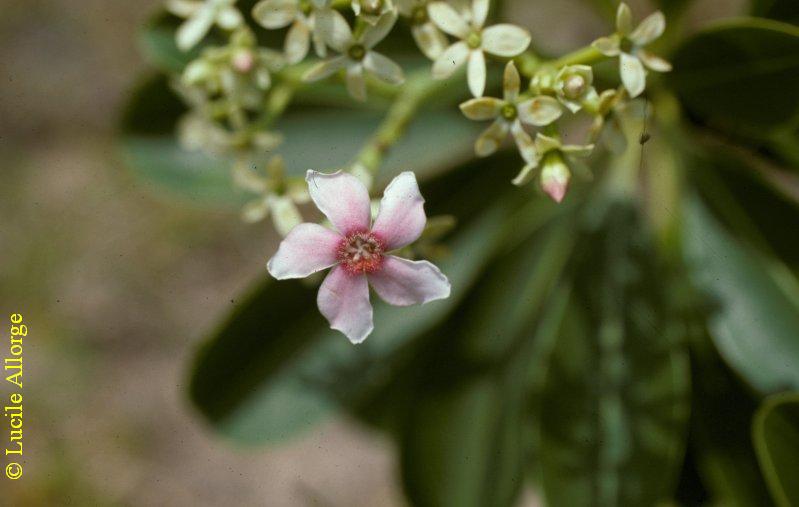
334	29
650	29
344	301
342	198
483	108
633	74
624	19
476	73
524	142
308	248
229	18
324	69
285	215
429	39
298	42
374	34
577	150
401	282
505	40
356	82
608	46
448	19
479	12
653	61
527	173
491	138
540	111
450	60
275	13
183	8
401	218
511	82
383	67
255	211
194	29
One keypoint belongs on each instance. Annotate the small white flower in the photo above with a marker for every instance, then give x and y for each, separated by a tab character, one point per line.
573	86
555	174
302	15
359	251
200	16
372	10
356	53
509	114
628	44
503	40
431	41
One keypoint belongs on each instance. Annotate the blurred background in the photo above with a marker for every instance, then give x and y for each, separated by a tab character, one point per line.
119	281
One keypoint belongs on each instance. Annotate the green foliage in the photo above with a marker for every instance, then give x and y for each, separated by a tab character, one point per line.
781	10
614	404
776	435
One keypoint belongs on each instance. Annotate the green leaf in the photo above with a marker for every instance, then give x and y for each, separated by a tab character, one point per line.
740	76
775	431
754	325
317	137
274	368
614	403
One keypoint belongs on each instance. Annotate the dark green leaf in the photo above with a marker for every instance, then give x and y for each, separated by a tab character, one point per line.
755	324
614	404
740	76
776	435
781	10
316	137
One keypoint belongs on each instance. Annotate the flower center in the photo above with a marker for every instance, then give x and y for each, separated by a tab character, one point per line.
372	6
361	252
356	52
509	112
626	45
574	86
419	15
474	40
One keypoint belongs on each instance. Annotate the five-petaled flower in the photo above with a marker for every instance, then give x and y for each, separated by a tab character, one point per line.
302	15
200	16
628	44
356	53
431	41
503	40
509	115
358	251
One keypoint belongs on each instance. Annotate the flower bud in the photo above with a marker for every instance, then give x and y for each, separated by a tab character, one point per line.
555	176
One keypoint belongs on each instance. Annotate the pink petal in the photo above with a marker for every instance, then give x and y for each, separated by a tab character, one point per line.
308	248
401	218
401	282
342	198
344	301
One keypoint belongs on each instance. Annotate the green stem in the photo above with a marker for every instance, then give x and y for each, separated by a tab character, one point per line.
583	56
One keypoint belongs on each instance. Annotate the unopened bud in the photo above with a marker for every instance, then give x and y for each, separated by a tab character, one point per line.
555	176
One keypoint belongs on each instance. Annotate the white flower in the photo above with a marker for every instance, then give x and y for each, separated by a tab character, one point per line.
509	114
356	54
431	41
372	10
358	251
628	44
504	40
573	86
302	15
555	174
200	16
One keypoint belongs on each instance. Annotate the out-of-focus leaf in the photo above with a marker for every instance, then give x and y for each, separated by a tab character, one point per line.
740	76
274	368
755	324
781	10
776	435
614	404
157	44
321	138
722	412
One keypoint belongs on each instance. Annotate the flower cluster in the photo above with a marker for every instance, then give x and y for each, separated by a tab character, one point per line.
236	90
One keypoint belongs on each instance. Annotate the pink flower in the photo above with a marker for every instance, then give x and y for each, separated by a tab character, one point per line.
358	251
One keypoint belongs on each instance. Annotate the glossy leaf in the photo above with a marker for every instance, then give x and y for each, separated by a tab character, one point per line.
614	403
755	320
275	368
776	435
315	137
740	76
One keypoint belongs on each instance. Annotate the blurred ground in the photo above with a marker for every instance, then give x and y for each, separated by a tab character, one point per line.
119	282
